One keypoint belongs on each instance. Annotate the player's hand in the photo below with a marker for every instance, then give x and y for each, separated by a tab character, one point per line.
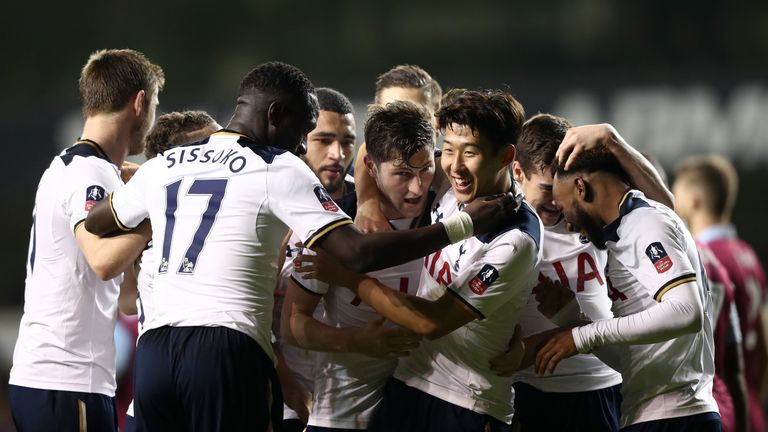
551	296
559	347
508	363
128	170
375	340
583	138
297	398
323	267
491	212
370	218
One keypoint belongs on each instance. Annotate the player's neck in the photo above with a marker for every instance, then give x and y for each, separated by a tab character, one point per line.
703	220
112	133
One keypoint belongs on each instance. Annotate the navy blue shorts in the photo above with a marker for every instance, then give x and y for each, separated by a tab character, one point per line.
406	409
47	410
589	411
311	428
129	425
706	422
204	379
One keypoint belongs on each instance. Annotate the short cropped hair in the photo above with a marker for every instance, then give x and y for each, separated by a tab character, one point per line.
396	131
494	114
277	77
717	179
598	159
539	139
411	76
333	101
112	77
173	129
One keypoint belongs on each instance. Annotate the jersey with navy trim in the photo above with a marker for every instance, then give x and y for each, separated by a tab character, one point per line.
577	264
144	283
348	386
493	275
650	252
220	210
66	335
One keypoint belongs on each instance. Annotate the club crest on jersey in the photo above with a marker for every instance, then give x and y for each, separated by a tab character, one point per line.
484	279
325	199
93	194
658	256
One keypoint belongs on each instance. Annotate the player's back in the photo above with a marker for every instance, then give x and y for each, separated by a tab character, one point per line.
219	210
60	345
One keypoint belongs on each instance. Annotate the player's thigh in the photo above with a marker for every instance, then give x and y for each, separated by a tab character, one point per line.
45	410
227	382
706	422
156	405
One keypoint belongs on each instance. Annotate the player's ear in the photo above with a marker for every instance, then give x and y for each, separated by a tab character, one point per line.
509	155
517	171
275	113
583	189
370	166
138	102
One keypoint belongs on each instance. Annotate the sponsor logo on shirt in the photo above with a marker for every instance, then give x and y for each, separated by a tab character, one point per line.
325	199
658	256
484	279
93	194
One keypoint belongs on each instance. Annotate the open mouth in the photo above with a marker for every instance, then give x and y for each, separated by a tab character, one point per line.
462	185
413	201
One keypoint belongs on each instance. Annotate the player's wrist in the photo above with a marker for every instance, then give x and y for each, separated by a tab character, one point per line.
458	226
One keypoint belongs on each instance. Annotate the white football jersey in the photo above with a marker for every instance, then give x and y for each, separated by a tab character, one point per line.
493	275
348	386
650	252
66	336
144	283
577	264
220	209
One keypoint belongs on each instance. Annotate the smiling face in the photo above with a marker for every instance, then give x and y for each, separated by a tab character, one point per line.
404	184
537	188
472	164
330	147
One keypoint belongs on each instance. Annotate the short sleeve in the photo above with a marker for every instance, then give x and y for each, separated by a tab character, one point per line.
91	183
128	203
662	261
297	198
502	273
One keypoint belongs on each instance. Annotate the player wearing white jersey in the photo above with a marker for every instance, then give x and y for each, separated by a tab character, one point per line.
64	363
659	295
583	391
220	210
360	350
470	293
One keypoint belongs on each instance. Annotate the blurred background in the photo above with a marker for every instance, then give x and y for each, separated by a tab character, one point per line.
675	78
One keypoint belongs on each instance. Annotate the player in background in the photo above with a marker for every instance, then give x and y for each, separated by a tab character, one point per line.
170	130
401	83
655	280
471	292
583	391
220	211
330	149
64	362
359	350
706	187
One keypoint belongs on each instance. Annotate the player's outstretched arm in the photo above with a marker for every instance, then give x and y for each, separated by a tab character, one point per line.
431	319
298	327
101	221
375	251
369	217
642	174
109	256
680	312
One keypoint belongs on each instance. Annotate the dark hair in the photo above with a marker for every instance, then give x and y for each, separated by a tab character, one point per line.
173	129
494	114
397	131
539	139
598	159
112	77
717	178
278	77
332	100
411	76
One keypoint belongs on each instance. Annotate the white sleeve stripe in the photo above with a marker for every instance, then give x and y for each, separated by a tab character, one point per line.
312	239
479	314
688	277
300	285
114	215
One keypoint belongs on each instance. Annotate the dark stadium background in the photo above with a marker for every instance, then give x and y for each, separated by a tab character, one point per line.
676	78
